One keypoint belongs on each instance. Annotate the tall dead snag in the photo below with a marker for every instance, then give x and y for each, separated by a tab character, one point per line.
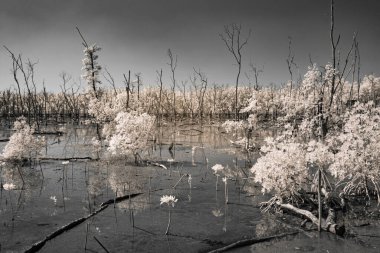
138	82
334	45
234	43
290	62
358	74
173	65
90	66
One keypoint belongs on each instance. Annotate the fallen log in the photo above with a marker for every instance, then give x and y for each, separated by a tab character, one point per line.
119	199
327	224
157	164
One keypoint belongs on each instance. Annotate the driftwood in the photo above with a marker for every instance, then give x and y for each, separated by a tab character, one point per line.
247	242
327	224
38	245
158	165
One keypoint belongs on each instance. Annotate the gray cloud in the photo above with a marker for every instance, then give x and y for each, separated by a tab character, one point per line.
136	35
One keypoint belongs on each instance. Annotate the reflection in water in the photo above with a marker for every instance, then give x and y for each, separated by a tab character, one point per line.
19	182
225	217
8	186
125	179
16	177
122	180
217	212
269	225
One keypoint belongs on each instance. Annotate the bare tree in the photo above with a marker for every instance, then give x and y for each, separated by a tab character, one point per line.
109	78
65	80
27	73
234	43
127	82
256	73
15	68
203	86
138	76
159	79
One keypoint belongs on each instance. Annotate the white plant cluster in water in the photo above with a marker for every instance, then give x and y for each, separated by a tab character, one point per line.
169	200
131	133
23	144
9	186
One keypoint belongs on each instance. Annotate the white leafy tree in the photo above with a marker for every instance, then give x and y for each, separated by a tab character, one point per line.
91	68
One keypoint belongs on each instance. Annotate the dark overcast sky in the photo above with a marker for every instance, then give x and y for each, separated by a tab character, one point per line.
135	35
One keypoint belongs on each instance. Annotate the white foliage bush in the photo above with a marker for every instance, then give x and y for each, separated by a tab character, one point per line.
287	165
357	160
283	169
131	134
23	144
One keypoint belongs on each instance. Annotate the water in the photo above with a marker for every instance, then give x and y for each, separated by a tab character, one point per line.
54	194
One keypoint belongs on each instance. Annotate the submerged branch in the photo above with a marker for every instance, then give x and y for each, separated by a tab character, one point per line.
247	242
38	245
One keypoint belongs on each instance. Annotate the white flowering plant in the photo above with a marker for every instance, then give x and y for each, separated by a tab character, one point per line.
170	200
